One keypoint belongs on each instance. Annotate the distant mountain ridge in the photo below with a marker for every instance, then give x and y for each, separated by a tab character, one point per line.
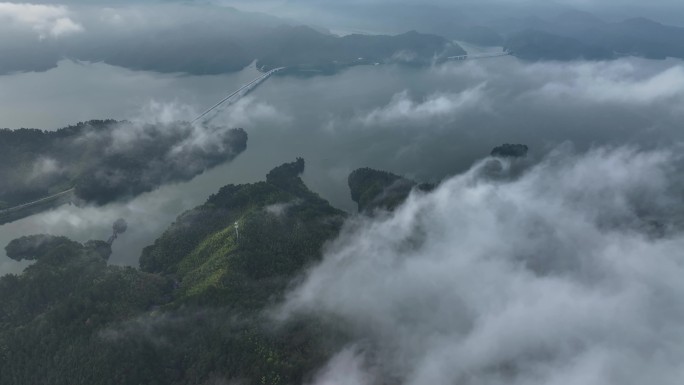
201	49
307	49
581	35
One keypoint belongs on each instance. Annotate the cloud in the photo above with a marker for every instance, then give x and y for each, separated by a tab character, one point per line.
403	108
504	93
44	167
567	275
250	111
46	20
612	82
280	209
207	137
345	368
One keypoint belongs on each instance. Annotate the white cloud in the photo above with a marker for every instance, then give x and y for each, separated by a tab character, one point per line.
557	277
439	105
64	26
156	112
280	209
46	20
610	82
44	167
249	111
345	368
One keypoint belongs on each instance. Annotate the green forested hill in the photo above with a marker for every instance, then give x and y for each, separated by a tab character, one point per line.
281	227
374	189
193	313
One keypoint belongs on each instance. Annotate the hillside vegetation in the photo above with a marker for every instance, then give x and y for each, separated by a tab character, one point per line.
194	311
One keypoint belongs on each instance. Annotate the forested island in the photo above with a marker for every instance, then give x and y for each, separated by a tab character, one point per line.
107	160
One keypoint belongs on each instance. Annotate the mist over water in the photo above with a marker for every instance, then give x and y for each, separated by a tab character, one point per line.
427	124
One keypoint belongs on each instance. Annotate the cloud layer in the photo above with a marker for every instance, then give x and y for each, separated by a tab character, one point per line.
46	20
569	275
612	82
442	105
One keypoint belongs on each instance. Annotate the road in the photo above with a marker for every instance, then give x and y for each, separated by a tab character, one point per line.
244	89
36	202
478	56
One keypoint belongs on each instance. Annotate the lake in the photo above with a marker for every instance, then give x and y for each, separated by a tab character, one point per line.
423	123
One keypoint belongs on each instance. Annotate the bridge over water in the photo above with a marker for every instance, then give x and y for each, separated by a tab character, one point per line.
245	89
14	213
29	208
478	56
236	95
